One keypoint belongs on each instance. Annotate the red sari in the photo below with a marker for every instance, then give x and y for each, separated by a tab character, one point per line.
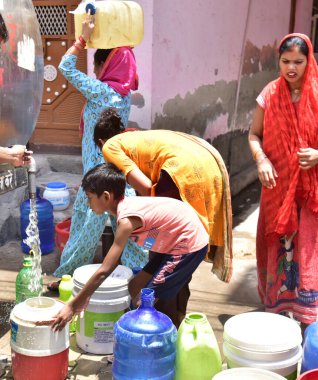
288	268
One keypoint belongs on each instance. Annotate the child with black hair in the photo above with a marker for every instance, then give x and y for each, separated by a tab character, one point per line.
165	163
164	225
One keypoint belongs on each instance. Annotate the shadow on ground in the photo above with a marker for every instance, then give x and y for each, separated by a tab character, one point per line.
241	203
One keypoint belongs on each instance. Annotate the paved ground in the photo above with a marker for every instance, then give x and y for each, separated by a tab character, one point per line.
217	300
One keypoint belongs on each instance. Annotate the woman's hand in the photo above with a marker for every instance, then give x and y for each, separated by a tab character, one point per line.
88	26
308	157
266	173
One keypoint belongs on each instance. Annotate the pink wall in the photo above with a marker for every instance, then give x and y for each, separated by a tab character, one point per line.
201	42
196	62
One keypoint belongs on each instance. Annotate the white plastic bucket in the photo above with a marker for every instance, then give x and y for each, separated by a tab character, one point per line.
37	351
263	340
107	304
58	194
247	374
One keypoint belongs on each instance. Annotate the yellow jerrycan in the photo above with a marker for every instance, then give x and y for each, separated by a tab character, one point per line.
198	355
117	23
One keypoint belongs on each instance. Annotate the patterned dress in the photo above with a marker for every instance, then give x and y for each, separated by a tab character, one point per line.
87	227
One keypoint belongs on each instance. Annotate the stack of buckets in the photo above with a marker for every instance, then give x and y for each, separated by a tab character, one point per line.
263	340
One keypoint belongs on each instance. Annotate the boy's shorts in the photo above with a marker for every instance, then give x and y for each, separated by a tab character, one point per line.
171	272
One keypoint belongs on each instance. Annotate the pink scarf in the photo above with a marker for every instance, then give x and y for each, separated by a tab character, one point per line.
119	72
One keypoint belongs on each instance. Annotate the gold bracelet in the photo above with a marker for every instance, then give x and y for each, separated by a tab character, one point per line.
256	153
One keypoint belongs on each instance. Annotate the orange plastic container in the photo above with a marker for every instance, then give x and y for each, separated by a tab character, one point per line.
62	233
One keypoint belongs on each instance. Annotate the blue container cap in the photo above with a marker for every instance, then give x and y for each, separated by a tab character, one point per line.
136	270
56	185
90	7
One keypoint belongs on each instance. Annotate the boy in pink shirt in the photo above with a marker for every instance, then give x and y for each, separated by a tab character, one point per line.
164	225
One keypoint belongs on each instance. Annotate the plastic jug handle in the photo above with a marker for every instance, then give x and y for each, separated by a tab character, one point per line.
197	333
90	7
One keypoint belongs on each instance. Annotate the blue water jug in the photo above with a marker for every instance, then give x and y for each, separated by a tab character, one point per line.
310	349
44	210
144	343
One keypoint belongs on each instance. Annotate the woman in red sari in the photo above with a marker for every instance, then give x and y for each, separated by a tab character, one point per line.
284	143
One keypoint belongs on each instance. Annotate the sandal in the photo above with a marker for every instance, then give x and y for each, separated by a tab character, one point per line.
54	286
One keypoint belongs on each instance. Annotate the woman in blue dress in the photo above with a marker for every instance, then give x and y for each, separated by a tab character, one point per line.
116	73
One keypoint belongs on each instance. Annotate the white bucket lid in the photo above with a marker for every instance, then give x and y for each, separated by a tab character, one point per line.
247	374
37	309
119	277
262	332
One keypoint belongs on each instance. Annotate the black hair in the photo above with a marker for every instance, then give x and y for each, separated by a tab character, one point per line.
108	125
4	35
291	42
101	55
105	177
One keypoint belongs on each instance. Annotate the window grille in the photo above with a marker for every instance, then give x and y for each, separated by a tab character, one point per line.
52	19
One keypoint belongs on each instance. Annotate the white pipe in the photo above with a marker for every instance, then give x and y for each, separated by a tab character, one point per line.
31	175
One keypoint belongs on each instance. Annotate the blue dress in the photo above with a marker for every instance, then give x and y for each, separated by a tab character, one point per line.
87	227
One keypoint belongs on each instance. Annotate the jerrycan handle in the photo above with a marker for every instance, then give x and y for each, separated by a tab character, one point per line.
197	320
198	333
90	7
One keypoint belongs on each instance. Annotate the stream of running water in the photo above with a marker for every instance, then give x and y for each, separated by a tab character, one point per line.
33	241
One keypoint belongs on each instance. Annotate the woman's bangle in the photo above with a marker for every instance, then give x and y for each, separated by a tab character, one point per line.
256	153
260	159
77	46
82	41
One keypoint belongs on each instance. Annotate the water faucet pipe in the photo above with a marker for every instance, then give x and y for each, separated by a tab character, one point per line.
31	178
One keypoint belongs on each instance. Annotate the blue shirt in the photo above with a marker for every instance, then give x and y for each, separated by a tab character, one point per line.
99	96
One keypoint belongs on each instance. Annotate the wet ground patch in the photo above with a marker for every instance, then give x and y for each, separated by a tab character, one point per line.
5	310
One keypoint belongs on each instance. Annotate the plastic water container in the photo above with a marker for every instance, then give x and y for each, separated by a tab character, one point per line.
66	288
117	23
23	281
38	353
263	340
198	354
66	294
44	210
247	374
62	234
310	353
309	375
145	343
94	327
58	194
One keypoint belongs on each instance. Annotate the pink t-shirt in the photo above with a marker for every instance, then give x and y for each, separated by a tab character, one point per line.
169	225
